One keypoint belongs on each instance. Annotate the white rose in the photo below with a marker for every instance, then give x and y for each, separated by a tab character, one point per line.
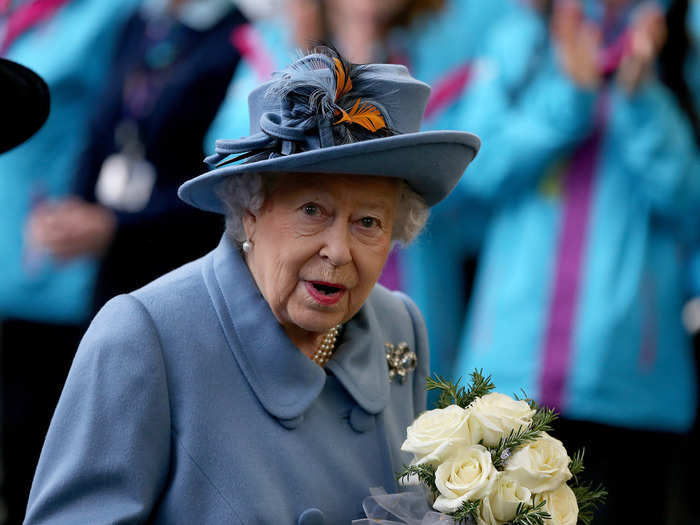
507	494
540	465
437	433
561	504
486	516
469	474
494	415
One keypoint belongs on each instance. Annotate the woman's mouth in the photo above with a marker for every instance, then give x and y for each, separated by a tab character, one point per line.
325	293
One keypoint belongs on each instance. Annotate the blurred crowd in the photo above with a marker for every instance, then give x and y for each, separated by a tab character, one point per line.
567	263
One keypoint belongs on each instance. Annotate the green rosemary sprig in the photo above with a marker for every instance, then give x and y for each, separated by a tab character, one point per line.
531	402
467	512
450	393
530	514
576	464
480	386
541	422
454	394
588	500
424	472
448	390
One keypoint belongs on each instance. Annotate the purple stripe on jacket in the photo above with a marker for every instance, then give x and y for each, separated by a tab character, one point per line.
578	196
447	90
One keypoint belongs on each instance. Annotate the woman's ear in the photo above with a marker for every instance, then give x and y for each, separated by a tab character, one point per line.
249	221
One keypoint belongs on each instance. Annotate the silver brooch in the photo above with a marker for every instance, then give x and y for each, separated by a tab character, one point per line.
401	360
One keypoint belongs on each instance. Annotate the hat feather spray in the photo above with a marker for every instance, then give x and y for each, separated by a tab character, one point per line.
333	97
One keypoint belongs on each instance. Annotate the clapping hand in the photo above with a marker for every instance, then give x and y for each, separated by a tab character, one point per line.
647	36
71	228
577	43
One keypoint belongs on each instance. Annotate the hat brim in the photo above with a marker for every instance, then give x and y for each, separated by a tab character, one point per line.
431	162
25	103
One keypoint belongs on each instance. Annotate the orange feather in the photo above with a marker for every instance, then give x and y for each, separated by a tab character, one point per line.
366	115
343	82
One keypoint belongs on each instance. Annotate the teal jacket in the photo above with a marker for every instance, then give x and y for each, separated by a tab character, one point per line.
581	278
187	403
72	52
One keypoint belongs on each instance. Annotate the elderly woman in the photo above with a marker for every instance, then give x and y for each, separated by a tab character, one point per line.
253	385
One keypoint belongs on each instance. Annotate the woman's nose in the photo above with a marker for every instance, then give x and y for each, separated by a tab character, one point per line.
336	247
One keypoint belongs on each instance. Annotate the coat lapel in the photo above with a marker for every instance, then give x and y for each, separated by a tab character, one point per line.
359	362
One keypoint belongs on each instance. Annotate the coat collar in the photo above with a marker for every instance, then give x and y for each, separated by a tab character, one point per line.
284	380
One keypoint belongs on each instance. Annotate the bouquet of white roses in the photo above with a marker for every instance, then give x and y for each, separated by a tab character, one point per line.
486	458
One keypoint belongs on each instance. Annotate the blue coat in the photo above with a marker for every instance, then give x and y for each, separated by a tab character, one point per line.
187	403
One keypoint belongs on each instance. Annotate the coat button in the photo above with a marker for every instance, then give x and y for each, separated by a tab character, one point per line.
361	421
311	517
291	424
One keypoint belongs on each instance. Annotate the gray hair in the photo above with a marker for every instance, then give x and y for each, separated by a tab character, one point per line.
247	191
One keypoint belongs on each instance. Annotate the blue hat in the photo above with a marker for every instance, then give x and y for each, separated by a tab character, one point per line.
323	115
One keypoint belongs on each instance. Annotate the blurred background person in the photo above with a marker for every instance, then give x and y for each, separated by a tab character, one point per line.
591	165
43	302
437	270
692	71
170	73
688	461
437	40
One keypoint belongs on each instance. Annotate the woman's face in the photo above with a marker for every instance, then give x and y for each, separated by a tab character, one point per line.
319	245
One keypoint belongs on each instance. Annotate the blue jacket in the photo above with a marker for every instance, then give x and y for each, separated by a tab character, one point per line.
187	403
72	51
581	279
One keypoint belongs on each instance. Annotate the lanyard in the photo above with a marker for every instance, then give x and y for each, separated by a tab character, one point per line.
164	44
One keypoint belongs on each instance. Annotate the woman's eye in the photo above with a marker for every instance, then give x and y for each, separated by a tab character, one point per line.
369	222
311	209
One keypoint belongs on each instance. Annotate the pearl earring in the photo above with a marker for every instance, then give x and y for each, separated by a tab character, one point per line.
247	246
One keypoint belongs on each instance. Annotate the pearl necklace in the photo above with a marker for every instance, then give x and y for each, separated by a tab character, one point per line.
325	349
